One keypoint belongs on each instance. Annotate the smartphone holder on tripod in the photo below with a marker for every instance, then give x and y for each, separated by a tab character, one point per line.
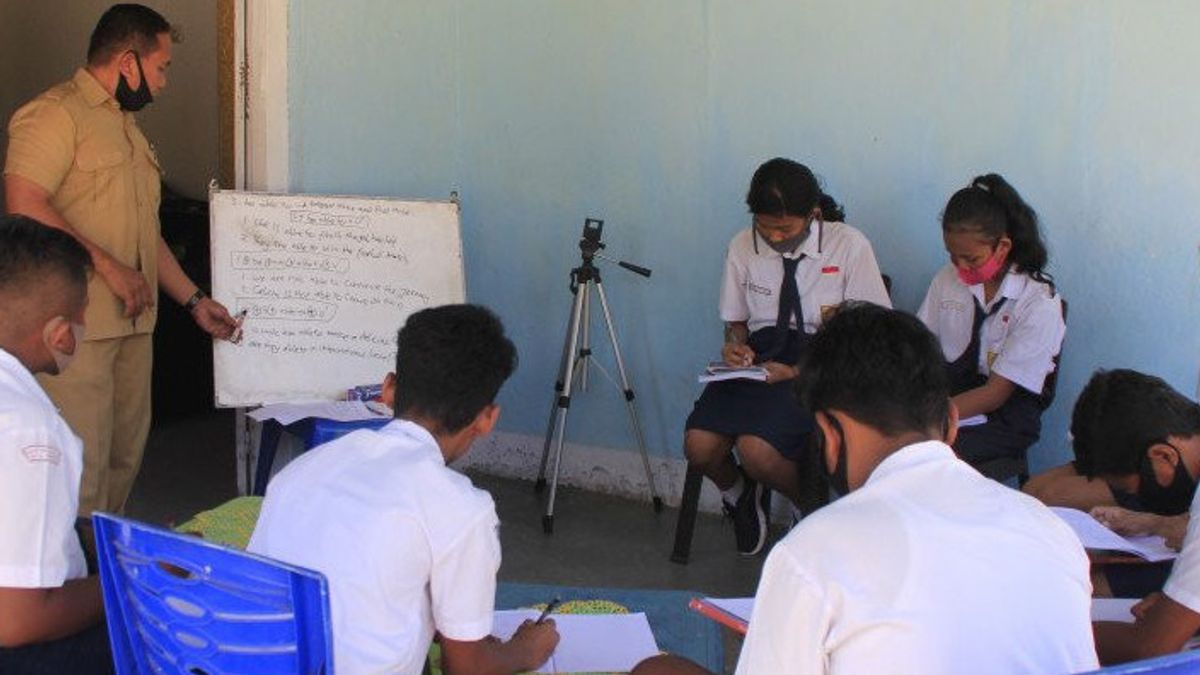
577	356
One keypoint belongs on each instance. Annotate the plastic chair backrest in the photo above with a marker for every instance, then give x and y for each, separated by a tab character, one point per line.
179	604
1171	664
1050	388
323	430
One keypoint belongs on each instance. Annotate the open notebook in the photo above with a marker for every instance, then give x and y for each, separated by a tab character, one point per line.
588	643
719	370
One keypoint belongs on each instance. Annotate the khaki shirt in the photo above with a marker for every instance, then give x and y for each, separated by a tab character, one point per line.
102	176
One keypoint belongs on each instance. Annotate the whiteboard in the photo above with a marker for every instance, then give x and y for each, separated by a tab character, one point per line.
325	283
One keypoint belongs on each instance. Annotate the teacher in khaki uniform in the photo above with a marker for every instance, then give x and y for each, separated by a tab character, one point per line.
77	161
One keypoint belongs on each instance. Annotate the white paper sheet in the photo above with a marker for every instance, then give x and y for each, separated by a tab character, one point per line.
972	421
1094	535
1113	609
588	643
341	411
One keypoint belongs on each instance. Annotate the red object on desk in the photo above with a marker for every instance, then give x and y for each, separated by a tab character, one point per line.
719	615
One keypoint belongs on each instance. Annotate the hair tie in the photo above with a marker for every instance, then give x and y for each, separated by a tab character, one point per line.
981	186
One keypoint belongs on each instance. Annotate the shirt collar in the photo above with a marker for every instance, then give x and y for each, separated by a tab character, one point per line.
91	89
910	456
22	377
416	433
1011	287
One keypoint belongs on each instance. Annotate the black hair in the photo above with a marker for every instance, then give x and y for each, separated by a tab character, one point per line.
450	363
781	187
31	252
880	366
1120	414
830	209
993	208
127	26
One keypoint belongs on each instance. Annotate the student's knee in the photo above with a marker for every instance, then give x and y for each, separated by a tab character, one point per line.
760	459
703	448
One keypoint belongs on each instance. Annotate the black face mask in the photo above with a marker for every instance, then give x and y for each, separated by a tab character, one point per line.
838	478
1171	500
130	99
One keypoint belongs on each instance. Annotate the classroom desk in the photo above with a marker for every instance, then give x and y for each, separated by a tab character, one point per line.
313	431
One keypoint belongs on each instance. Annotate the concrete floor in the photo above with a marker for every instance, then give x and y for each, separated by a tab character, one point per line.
598	540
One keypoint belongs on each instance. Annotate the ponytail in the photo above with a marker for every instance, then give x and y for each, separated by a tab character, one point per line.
993	208
830	209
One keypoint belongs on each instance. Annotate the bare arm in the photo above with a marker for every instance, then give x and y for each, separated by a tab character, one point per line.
29	615
986	398
29	199
1063	486
1162	628
529	648
209	314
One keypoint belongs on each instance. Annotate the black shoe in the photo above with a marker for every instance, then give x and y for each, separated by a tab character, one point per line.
750	517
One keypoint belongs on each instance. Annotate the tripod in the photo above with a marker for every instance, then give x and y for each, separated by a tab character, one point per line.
576	357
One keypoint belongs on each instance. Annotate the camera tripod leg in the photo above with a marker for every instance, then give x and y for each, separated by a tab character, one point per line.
585	337
563	403
629	396
559	385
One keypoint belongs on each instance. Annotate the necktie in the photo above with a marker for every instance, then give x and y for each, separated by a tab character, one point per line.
974	345
789	305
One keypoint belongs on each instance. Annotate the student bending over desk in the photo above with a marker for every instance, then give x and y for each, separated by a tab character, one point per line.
1142	439
924	566
1126	472
408	545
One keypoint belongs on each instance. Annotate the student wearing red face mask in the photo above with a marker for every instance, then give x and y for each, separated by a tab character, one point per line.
998	317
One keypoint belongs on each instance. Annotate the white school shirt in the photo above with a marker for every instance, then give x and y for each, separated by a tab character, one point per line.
927	568
1019	342
838	265
1183	586
41	460
408	545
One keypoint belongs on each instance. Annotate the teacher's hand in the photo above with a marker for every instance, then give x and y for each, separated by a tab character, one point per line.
214	319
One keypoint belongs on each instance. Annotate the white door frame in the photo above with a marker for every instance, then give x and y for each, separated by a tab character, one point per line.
261	127
260	132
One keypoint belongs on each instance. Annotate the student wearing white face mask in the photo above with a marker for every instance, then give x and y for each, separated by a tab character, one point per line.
998	316
51	612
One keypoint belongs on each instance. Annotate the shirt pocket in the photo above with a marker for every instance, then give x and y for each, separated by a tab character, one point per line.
106	170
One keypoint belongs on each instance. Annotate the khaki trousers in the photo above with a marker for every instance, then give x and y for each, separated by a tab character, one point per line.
105	397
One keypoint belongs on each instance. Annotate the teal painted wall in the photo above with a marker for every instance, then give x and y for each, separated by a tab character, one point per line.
653	115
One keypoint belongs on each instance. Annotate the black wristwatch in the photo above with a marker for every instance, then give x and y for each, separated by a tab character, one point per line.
194	300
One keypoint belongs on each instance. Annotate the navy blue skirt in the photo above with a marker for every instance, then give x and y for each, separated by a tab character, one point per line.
748	408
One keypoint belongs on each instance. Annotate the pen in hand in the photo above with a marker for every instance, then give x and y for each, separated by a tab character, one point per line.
550	607
236	336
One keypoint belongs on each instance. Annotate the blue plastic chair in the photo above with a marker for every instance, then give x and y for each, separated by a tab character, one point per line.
312	430
179	604
1172	664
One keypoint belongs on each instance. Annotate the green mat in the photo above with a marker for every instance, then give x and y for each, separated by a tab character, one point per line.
230	524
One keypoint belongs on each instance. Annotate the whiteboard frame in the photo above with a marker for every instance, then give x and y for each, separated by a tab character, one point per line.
215	190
